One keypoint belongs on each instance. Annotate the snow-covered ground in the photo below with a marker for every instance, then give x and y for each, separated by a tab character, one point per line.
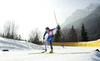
17	45
19	51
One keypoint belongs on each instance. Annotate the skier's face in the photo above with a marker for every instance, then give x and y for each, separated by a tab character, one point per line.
47	30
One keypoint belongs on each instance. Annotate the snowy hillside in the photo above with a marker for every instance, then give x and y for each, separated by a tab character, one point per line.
11	44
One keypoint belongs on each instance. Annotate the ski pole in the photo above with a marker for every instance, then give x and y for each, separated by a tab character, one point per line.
55	18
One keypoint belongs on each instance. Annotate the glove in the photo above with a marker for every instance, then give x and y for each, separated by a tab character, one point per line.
58	27
43	38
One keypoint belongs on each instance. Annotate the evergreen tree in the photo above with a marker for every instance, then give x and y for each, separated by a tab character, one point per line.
84	33
58	35
72	35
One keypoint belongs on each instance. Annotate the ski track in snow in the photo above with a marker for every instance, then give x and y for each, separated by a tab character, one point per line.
19	51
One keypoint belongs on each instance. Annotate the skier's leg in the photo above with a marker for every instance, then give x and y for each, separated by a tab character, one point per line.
47	41
46	45
51	44
51	47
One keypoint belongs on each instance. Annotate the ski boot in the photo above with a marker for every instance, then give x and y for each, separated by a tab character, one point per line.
51	50
44	51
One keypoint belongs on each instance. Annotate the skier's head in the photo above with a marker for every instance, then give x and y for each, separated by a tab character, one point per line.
47	29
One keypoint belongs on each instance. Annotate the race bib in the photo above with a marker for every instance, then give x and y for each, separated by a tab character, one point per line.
50	33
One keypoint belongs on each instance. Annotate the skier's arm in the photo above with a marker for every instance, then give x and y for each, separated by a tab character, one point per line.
53	29
44	34
58	28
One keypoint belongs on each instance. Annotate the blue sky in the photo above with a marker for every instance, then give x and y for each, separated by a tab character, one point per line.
31	14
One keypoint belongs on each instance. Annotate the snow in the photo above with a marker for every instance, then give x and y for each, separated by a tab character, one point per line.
11	44
21	52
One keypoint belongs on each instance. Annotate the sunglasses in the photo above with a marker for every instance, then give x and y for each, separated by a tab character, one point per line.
47	29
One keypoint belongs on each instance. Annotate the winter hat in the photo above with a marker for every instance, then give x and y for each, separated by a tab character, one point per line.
47	28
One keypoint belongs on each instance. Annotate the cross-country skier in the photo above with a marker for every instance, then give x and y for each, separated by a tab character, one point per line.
50	38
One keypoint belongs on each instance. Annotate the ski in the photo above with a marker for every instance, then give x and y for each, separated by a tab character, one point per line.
42	53
50	53
38	52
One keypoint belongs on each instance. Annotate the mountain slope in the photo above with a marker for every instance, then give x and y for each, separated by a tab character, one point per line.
91	22
80	14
